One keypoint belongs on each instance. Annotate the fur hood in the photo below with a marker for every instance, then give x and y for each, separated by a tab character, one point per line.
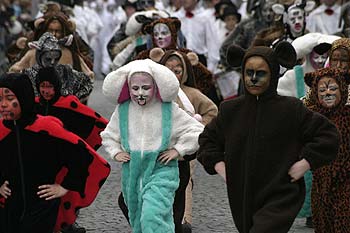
116	89
305	44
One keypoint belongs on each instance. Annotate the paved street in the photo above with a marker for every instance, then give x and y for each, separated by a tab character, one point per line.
210	208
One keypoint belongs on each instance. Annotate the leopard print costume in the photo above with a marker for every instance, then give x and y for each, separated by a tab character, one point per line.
330	195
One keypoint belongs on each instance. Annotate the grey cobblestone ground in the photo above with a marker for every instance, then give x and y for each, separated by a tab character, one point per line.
210	206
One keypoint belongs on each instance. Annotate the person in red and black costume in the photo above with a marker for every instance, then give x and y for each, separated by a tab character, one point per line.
46	172
76	117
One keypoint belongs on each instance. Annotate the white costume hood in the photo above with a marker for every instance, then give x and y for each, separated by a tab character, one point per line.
116	89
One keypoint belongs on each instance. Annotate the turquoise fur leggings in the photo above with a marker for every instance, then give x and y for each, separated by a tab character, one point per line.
147	185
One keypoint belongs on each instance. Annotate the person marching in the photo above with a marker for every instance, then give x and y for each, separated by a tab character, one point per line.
331	184
262	143
75	116
46	172
148	133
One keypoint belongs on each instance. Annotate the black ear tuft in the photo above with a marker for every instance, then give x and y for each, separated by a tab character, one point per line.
309	78
322	48
234	56
285	54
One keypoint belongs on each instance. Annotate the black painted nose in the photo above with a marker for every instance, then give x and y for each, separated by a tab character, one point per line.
254	80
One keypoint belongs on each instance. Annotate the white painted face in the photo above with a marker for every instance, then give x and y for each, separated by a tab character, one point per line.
162	35
142	88
317	60
295	20
328	92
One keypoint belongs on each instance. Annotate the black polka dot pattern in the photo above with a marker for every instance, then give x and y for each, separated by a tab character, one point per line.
73	104
100	125
67	205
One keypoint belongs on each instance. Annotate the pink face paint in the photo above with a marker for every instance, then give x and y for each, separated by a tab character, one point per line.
162	35
141	88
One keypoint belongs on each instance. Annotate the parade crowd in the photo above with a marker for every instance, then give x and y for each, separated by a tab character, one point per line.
256	91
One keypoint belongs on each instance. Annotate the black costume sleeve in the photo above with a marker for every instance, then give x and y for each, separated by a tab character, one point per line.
211	145
320	138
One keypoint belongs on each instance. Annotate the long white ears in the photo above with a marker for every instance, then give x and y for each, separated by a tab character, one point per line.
116	82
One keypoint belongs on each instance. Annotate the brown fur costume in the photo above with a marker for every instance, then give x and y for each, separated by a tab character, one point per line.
202	104
259	138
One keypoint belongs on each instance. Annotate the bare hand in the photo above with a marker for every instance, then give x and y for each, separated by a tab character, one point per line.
220	168
51	191
298	169
168	155
122	157
5	191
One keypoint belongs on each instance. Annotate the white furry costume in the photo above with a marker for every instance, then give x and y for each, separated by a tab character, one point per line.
144	131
